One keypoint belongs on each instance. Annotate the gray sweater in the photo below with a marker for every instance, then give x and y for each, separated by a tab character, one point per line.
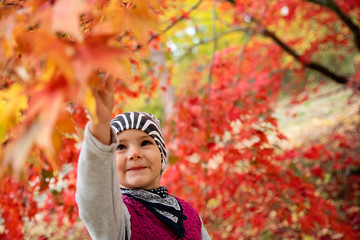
98	191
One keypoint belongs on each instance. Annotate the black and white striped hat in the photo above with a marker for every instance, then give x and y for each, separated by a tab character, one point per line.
145	122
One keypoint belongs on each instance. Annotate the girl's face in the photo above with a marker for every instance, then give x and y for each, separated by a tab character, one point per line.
138	160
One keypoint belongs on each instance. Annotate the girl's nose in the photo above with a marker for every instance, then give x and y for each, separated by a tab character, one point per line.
134	154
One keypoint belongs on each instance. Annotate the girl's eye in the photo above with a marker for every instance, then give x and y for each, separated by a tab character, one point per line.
120	147
145	143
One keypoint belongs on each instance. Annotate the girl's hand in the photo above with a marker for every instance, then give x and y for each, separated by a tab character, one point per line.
104	99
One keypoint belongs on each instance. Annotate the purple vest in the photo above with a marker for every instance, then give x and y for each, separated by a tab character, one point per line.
144	224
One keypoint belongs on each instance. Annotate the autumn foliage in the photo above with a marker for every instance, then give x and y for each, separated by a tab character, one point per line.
222	130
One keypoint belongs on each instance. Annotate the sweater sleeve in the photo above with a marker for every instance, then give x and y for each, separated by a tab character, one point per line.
98	191
204	233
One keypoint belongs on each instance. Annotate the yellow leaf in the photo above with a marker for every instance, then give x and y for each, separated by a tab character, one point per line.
90	103
306	237
12	103
142	19
49	70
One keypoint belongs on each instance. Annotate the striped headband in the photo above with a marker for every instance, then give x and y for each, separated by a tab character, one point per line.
145	122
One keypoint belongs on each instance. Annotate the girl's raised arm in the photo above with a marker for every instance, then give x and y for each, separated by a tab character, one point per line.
100	124
98	191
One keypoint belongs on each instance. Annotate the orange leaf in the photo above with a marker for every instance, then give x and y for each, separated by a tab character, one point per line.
65	123
66	17
138	19
44	44
17	152
91	55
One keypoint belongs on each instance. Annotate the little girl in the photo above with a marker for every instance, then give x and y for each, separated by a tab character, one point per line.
118	185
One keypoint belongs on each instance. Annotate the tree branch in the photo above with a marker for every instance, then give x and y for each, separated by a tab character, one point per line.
332	5
173	23
205	41
311	65
182	17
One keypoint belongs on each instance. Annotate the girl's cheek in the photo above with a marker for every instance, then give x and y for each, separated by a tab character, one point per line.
119	162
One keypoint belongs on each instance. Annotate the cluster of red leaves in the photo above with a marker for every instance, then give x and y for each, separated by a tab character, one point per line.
17	202
220	139
20	201
220	134
333	169
229	171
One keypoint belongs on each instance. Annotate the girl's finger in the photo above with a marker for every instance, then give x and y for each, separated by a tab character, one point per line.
109	83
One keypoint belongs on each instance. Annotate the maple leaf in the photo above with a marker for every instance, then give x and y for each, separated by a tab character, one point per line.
65	123
7	40
16	152
42	45
37	129
95	53
66	17
12	103
136	17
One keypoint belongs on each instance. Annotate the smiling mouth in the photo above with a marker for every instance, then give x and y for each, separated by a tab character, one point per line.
136	168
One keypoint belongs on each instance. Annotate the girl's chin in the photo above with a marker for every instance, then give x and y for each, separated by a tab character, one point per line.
141	180
136	184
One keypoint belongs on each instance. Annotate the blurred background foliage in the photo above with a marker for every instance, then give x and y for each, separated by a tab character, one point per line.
259	102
